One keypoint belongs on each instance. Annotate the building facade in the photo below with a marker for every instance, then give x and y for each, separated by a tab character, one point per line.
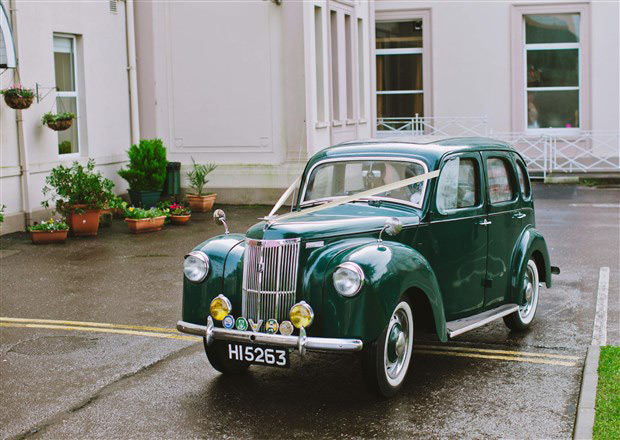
257	87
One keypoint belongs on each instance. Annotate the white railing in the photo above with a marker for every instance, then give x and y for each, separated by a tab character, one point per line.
432	126
587	151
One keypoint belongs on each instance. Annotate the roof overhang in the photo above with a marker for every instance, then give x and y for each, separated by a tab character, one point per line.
7	45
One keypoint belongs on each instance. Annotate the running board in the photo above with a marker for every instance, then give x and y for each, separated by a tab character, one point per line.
460	326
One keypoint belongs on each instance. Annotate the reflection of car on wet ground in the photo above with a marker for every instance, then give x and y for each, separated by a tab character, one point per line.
375	249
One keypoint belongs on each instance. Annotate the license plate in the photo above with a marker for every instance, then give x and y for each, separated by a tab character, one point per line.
258	354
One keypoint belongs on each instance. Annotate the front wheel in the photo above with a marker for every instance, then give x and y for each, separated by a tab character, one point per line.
385	361
522	318
218	357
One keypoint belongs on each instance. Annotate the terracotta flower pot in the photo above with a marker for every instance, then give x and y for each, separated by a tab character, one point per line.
44	237
85	223
18	102
60	125
180	219
201	203
139	225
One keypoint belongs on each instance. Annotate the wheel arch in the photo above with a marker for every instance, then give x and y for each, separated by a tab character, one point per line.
530	245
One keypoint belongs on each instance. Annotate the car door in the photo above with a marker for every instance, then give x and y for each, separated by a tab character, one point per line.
526	210
504	224
456	241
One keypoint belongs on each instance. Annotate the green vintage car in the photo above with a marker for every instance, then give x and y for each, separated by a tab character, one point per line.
385	239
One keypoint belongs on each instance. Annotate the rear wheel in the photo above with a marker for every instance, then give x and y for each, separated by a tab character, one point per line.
522	318
218	357
385	362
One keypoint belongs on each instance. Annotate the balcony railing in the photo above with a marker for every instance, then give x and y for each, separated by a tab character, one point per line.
583	152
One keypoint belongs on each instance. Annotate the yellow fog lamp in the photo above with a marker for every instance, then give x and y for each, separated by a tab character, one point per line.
301	315
220	307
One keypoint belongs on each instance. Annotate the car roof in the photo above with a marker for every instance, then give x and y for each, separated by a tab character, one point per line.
430	149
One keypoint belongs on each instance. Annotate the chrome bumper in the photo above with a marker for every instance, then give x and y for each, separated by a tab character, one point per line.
301	342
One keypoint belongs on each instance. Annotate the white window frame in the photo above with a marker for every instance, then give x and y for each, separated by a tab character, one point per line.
425	50
520	49
74	94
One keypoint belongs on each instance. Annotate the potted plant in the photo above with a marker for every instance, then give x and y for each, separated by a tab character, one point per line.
17	97
146	172
144	220
52	231
2	214
179	214
58	121
79	194
197	177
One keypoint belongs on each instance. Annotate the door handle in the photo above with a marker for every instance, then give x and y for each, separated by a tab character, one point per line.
518	215
484	222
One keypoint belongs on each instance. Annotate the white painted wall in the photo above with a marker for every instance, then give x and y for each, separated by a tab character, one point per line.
472	60
102	79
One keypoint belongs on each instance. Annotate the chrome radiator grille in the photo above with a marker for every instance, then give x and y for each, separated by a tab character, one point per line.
269	279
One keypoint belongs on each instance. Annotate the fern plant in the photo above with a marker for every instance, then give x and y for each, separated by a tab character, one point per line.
147	166
197	176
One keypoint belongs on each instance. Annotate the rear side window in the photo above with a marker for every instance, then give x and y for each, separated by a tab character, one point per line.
500	184
458	185
524	182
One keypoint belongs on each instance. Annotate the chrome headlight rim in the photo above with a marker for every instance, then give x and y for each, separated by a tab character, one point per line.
204	259
356	269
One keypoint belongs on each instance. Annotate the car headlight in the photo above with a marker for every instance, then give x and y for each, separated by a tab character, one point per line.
348	279
196	266
301	314
220	307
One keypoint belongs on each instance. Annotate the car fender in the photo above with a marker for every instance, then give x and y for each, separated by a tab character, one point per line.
531	243
390	269
197	296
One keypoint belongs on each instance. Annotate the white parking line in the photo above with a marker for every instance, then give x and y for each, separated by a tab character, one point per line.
595	205
599	333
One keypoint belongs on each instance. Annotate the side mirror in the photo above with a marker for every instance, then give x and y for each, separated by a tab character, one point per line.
392	227
219	217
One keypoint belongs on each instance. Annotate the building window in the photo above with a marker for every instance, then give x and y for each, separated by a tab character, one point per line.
552	54
67	92
318	47
399	58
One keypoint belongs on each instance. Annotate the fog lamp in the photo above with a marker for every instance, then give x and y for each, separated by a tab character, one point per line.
301	314
220	307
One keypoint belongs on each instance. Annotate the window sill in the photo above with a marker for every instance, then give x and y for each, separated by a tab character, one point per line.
321	124
337	123
553	131
362	121
351	122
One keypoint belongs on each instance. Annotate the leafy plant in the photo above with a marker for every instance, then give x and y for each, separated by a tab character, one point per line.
50	225
18	90
116	203
77	185
139	213
177	209
64	147
197	176
51	117
2	213
147	166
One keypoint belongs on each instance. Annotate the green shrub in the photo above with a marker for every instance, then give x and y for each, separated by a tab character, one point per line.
2	213
147	166
51	117
51	225
139	213
197	176
77	185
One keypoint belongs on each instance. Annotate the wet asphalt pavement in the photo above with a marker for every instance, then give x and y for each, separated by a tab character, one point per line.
67	380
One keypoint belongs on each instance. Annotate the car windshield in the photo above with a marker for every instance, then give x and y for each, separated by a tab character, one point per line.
344	178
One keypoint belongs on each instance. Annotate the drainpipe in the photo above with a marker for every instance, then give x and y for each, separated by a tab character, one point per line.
21	135
131	70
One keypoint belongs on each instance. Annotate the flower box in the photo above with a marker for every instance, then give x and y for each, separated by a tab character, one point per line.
201	203
180	219
139	225
45	237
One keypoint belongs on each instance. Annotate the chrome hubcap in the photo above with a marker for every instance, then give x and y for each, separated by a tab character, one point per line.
530	296
397	344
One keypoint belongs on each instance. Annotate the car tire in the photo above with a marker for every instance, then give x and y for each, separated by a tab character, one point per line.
385	361
216	353
522	318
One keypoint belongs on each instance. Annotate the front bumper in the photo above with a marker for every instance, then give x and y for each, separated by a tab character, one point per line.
301	342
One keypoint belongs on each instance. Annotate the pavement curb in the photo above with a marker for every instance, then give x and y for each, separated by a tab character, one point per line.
584	422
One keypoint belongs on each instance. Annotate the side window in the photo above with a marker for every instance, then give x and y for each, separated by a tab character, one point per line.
458	185
524	182
500	184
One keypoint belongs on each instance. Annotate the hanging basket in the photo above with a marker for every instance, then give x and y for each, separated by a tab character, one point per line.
60	125
18	102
